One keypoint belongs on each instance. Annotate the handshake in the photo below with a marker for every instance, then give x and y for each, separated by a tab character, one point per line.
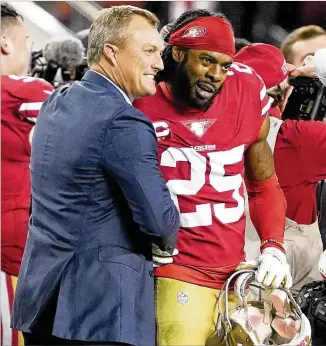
160	257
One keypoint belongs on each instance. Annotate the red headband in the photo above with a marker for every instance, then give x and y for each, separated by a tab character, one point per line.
205	33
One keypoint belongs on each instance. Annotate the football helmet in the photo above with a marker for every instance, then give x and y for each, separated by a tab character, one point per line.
262	316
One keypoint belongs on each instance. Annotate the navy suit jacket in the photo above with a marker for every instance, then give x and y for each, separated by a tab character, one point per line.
98	202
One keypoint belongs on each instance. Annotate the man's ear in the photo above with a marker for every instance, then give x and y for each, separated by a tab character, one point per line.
177	54
110	52
6	45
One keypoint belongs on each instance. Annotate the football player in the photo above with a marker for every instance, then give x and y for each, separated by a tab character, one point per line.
21	99
211	120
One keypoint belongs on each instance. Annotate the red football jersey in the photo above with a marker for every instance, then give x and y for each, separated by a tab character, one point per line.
302	145
201	156
21	98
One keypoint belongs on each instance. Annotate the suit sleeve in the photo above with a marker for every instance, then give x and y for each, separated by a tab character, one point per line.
130	156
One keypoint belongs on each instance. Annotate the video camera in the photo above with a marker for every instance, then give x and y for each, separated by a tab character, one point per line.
307	100
312	301
61	62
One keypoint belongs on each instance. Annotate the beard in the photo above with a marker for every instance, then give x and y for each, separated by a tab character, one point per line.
184	91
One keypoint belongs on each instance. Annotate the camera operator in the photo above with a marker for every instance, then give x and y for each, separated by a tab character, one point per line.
61	61
296	47
302	42
300	162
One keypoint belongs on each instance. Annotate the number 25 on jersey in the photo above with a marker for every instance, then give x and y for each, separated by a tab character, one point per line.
217	179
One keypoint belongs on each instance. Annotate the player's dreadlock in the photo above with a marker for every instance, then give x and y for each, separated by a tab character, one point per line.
169	63
8	15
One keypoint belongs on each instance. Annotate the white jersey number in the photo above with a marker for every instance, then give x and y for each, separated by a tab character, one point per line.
217	179
240	68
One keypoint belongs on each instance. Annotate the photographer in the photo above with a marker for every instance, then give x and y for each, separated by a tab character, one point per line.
300	162
302	42
60	62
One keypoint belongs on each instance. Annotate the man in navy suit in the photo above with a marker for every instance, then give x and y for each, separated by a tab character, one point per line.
99	199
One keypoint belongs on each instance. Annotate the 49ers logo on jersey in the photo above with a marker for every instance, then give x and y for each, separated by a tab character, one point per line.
198	127
195	31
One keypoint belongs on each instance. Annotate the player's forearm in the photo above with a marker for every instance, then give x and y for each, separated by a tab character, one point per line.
267	207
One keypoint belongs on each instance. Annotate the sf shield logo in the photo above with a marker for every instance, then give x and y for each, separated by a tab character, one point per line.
195	31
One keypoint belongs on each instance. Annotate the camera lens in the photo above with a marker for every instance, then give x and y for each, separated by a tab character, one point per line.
302	88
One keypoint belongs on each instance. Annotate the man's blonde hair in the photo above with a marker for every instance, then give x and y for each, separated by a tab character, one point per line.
304	33
111	27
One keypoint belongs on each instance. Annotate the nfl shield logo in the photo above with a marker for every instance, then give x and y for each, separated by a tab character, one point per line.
198	128
182	297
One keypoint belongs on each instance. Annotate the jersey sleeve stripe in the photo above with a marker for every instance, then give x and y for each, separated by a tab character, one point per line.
30	106
31	119
262	93
267	106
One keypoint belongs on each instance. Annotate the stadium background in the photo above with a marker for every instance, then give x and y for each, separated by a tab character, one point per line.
257	21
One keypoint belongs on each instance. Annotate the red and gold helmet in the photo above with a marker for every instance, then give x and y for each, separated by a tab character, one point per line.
262	316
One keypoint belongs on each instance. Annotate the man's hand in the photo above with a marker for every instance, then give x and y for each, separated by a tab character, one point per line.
160	257
307	70
272	268
303	71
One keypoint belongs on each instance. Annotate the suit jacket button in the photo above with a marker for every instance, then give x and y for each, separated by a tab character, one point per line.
169	247
151	273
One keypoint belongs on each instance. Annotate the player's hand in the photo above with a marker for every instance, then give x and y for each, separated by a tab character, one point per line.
160	257
272	268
